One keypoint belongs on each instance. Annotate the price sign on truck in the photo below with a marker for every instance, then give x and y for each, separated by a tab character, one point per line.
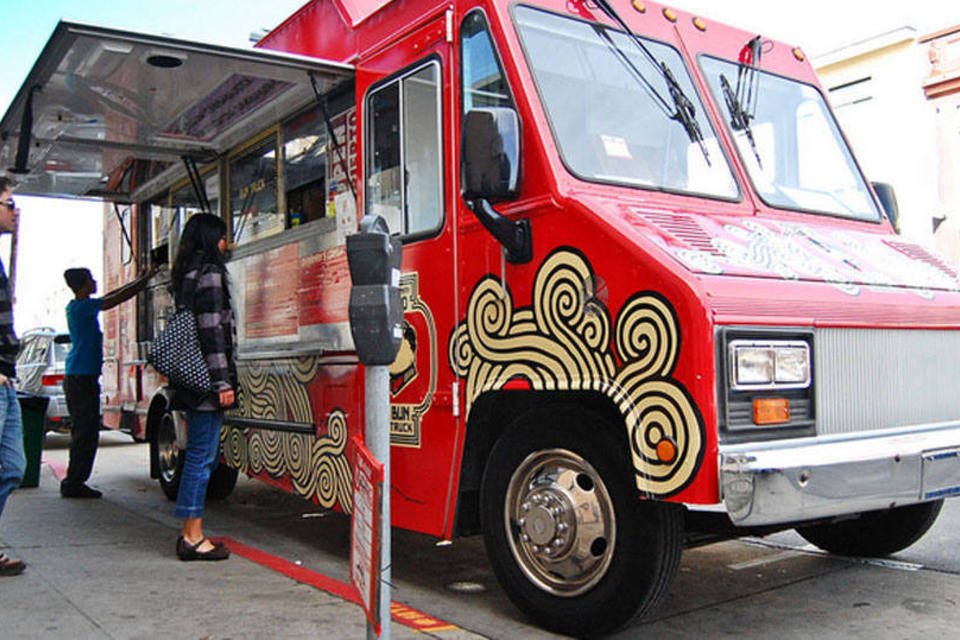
365	530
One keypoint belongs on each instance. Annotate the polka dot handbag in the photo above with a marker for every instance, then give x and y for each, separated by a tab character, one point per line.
176	353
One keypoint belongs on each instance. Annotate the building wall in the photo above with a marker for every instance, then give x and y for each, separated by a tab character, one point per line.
941	86
876	91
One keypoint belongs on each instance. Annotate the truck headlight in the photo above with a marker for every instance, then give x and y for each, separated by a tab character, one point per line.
769	364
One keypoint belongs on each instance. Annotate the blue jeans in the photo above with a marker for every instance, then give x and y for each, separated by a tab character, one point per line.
200	459
13	462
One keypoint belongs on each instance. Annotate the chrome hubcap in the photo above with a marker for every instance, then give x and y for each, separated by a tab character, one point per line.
560	522
168	454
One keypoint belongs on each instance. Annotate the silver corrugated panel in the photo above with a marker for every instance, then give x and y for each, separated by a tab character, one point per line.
879	379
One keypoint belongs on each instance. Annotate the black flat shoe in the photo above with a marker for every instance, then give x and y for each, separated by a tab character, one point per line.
188	552
83	491
11	566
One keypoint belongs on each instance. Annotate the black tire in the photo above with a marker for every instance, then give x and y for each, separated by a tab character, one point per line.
222	481
561	571
876	533
170	465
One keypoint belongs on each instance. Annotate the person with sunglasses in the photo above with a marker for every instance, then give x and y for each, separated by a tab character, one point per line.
13	461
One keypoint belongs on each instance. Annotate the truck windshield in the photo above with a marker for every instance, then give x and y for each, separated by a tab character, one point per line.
608	123
798	159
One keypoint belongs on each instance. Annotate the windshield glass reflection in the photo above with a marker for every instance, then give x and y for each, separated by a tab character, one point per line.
608	123
797	158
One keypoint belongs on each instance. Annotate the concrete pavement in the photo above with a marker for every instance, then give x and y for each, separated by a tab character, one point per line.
106	569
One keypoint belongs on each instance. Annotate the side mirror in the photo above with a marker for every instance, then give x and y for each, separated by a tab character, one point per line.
888	200
490	154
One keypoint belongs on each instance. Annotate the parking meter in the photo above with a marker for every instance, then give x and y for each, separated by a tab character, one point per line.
376	314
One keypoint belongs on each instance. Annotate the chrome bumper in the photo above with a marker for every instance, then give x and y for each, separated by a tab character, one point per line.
794	480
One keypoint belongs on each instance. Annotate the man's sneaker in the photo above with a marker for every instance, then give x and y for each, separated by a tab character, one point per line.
83	491
11	567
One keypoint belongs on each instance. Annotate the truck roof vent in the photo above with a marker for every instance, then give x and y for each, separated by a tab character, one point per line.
684	228
917	252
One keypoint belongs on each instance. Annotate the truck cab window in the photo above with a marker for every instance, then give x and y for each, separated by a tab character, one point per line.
403	180
484	84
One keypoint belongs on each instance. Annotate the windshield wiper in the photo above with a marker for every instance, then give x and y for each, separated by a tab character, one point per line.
686	113
739	118
742	103
680	108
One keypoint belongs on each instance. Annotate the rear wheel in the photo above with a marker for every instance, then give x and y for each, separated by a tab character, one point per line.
169	456
170	464
568	537
222	481
877	533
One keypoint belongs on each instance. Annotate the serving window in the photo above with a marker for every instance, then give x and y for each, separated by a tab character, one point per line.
305	168
254	202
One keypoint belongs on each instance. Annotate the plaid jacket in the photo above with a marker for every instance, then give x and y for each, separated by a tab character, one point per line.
204	291
9	343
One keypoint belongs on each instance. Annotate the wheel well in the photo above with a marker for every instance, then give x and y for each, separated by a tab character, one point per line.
494	413
157	408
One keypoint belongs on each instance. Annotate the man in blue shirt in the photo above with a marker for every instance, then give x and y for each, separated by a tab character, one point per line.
81	385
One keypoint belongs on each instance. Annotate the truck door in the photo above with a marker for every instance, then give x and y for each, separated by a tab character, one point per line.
409	181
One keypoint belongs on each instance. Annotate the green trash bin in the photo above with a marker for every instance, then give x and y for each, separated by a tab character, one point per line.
33	410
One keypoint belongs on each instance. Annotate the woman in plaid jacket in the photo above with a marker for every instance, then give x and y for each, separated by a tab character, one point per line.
199	279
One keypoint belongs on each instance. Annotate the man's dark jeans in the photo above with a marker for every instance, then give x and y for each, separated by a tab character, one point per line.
83	403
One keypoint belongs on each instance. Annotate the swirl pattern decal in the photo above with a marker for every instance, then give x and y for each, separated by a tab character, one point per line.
563	342
316	466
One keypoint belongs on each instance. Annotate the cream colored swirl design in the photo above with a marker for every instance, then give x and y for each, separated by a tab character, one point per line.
562	342
316	466
234	447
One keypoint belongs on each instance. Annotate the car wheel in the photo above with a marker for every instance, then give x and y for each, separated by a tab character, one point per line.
568	536
877	533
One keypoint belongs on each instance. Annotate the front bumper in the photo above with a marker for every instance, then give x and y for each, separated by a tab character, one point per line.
795	480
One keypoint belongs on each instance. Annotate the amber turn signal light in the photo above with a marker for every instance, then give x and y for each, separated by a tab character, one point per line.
771	411
667	450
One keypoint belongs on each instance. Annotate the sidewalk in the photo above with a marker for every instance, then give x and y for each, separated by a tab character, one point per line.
106	569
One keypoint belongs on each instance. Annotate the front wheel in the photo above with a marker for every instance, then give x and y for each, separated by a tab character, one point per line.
877	533
569	539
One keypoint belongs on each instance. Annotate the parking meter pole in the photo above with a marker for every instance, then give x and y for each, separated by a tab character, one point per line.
377	409
376	323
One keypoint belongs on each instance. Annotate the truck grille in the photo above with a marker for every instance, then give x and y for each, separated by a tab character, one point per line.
879	379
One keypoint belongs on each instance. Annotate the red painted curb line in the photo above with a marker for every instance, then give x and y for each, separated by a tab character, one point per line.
59	469
400	613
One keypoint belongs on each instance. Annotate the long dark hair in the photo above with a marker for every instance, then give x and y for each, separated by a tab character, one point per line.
198	246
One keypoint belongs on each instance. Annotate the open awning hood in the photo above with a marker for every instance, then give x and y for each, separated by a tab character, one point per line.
108	110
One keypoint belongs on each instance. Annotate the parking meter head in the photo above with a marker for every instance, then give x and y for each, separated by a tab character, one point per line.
373	256
376	313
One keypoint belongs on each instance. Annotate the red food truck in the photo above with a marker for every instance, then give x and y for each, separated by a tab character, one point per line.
649	298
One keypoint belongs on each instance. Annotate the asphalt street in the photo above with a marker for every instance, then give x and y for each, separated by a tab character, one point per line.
106	569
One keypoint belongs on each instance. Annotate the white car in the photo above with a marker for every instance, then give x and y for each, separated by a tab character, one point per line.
41	367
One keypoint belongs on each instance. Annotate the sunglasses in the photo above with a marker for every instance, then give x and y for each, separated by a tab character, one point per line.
9	204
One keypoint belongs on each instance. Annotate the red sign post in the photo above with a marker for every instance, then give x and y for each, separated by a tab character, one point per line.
365	531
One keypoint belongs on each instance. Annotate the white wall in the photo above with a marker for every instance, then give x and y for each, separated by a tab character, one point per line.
888	120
